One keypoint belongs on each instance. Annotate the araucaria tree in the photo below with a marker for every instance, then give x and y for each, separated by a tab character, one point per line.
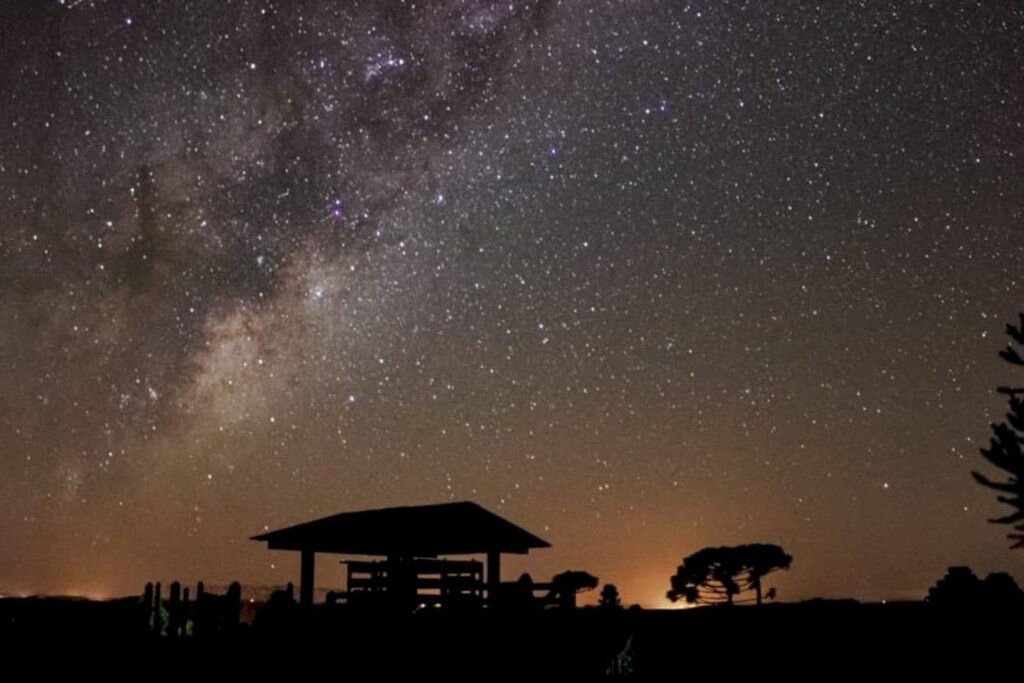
566	585
762	559
717	575
1005	447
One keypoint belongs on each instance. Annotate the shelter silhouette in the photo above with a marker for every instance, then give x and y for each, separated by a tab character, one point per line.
404	536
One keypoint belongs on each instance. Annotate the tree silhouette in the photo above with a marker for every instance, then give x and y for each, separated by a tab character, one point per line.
609	597
717	575
707	576
762	559
566	585
961	588
1004	449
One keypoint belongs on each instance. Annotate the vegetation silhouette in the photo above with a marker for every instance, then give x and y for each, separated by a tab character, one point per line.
718	575
609	597
507	640
1004	449
565	586
961	588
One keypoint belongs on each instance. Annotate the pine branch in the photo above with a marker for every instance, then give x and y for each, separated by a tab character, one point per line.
1004	450
1009	487
1009	519
1006	444
1010	355
1016	333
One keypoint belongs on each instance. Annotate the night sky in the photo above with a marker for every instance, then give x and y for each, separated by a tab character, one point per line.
642	277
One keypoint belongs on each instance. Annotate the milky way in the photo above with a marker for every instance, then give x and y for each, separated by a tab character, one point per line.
641	276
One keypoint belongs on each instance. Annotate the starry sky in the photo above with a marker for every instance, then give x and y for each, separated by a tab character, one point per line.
642	276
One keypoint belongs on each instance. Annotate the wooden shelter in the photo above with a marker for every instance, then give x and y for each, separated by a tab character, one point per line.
405	537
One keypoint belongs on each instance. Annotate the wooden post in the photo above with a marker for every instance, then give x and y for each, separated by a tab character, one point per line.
493	578
157	616
175	612
306	575
147	601
201	619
